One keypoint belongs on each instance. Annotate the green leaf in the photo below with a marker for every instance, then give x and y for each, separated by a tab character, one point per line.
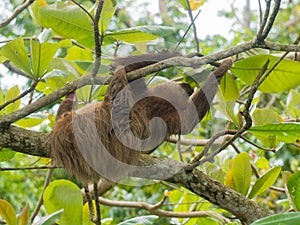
7	213
139	34
227	108
265	181
228	88
284	132
241	171
66	20
16	53
41	56
30	122
265	116
23	217
63	194
6	154
11	94
293	186
284	77
51	219
145	220
292	218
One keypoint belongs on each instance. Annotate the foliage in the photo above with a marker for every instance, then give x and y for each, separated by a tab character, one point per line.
64	51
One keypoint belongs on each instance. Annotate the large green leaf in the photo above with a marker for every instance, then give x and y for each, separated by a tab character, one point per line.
293	186
7	213
139	34
66	19
284	77
280	219
265	181
41	56
12	93
63	194
283	132
16	53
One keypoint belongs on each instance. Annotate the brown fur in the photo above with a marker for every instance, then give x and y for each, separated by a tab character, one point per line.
102	139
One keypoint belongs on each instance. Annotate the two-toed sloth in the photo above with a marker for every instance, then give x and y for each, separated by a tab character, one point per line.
105	139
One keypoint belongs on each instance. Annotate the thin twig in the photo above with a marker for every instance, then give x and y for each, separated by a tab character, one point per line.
154	210
187	30
16	12
40	202
264	22
193	24
257	146
28	168
83	9
260	12
98	38
16	70
98	212
271	20
90	202
20	96
210	143
248	123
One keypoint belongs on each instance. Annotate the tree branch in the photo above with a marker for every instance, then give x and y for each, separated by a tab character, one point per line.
154	210
6	120
16	12
35	143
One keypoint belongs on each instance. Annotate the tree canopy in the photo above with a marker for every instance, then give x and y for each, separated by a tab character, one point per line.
240	165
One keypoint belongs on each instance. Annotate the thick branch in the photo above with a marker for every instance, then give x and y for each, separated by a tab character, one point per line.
202	185
35	143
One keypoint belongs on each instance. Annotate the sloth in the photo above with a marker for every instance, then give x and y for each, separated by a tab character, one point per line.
106	139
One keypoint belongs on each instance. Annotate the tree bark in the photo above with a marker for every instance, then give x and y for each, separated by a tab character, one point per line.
35	143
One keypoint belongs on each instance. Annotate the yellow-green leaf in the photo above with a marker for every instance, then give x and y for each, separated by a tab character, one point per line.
8	213
16	53
108	10
284	77
63	194
66	19
265	181
11	94
265	116
23	218
229	179
29	122
293	186
283	132
241	172
41	56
